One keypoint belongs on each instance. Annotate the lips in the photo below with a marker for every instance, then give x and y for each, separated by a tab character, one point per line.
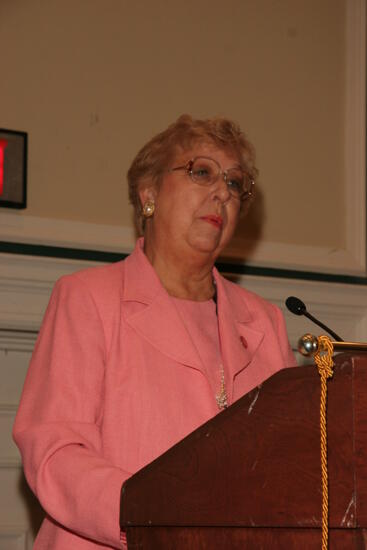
217	221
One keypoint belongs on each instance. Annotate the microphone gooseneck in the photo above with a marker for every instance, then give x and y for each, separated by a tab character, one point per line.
296	306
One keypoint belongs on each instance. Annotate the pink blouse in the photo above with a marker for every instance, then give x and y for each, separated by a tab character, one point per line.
201	322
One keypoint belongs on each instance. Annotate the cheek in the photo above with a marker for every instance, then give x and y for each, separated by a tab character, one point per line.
176	209
185	206
233	217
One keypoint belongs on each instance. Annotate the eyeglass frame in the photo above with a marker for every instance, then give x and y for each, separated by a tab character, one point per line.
224	173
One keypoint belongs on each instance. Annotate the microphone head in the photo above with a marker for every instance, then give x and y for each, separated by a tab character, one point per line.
295	305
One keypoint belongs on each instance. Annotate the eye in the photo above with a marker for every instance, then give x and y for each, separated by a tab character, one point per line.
234	184
235	181
202	171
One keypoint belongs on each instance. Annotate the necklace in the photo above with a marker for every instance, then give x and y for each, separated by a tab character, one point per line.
221	397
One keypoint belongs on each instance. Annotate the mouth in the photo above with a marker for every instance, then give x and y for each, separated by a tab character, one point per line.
216	221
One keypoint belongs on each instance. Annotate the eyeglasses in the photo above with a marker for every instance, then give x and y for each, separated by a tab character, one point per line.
206	171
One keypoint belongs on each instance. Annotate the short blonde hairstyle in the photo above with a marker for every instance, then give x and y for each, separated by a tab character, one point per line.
157	155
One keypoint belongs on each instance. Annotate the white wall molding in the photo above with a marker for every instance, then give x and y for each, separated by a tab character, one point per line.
9	454
122	240
14	537
15	227
17	341
355	131
26	284
7	409
12	463
305	258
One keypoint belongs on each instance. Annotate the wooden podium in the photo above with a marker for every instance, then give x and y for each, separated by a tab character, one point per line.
251	477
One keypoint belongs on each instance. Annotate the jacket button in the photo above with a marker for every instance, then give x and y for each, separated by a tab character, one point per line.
244	342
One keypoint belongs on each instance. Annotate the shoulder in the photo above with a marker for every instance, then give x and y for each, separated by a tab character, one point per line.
101	280
90	292
89	298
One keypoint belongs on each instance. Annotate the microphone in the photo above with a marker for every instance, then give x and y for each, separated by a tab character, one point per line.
296	306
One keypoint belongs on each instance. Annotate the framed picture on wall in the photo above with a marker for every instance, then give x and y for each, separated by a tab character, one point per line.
13	169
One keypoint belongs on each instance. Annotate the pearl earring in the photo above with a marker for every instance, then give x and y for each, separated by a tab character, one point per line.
148	209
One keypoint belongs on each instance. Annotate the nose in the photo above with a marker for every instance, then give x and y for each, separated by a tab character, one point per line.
220	189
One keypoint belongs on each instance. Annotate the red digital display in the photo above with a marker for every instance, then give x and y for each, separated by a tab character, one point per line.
3	144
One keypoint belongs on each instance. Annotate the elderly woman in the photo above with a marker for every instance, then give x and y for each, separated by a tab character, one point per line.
133	356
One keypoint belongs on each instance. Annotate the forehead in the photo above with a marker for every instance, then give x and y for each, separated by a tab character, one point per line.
225	156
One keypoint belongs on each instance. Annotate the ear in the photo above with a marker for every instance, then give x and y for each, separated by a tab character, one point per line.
147	193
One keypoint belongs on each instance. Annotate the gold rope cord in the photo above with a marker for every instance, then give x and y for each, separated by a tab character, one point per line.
324	362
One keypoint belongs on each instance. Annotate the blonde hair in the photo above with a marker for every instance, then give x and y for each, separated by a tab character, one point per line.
157	155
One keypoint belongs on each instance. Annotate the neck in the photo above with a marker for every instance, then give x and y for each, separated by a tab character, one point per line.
185	276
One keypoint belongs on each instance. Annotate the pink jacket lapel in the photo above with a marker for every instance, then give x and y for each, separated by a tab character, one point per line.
149	310
239	340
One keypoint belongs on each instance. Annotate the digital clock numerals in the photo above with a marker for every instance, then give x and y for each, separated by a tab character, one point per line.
3	144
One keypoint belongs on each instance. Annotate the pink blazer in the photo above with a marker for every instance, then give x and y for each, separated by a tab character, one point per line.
115	380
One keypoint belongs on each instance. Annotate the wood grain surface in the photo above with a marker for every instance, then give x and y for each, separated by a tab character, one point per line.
257	466
175	538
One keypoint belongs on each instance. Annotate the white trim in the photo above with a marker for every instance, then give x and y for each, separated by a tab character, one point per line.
12	458
15	227
15	535
10	463
25	286
16	341
8	409
89	236
355	131
26	283
304	258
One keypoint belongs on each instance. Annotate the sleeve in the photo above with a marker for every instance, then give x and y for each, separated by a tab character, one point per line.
285	347
57	427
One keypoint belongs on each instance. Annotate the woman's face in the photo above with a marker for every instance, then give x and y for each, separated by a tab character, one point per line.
190	217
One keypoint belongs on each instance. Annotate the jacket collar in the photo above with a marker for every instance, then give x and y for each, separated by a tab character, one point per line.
150	311
157	320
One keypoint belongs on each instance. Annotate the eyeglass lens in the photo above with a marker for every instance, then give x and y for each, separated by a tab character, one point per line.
205	171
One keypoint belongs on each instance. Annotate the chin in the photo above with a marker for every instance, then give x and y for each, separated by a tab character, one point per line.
208	246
